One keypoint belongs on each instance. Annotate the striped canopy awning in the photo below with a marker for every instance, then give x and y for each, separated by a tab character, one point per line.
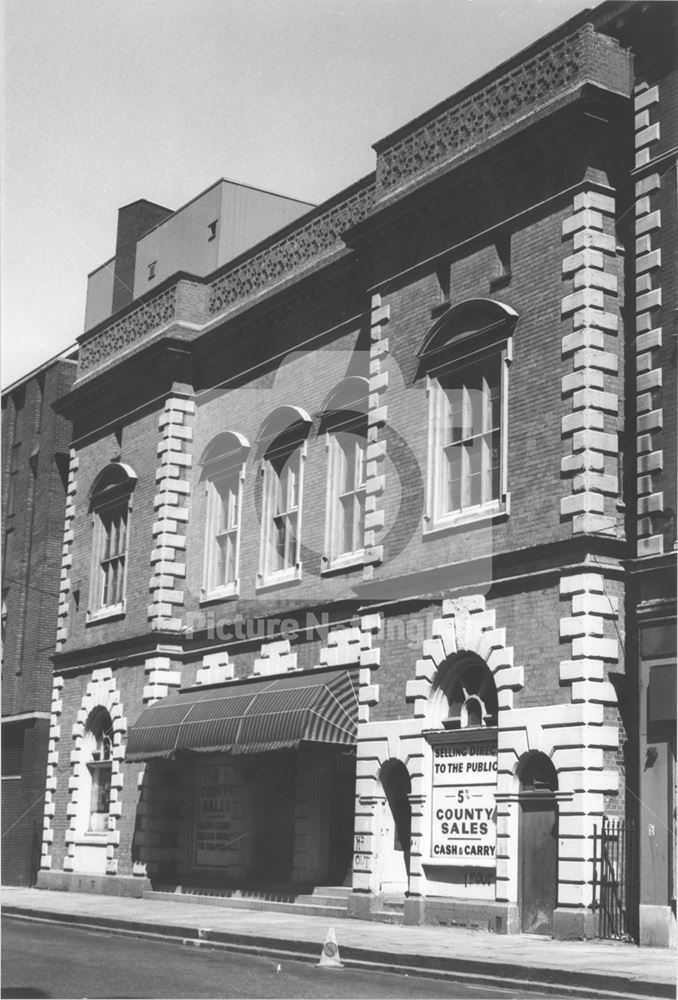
252	717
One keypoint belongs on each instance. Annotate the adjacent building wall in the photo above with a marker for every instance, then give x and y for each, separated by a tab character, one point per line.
35	459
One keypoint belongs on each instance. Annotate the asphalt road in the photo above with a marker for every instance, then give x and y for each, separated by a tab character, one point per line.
52	960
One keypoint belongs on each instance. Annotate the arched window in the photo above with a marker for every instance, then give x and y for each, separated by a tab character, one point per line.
110	507
344	421
464	695
98	746
282	442
223	473
465	357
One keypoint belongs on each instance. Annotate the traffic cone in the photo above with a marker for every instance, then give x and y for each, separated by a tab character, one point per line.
329	956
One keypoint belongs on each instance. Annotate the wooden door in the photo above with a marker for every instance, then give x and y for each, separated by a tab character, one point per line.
539	864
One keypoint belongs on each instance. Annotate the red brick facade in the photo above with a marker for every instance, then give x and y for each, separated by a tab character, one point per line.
494	240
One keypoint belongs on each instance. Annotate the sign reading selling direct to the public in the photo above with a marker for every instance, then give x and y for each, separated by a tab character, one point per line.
213	815
464	828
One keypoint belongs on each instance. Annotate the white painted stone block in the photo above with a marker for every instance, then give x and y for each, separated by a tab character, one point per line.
595	648
592	397
589	277
595	200
597	318
594	691
594	238
583	219
582	669
584	298
582	502
647	223
584	624
582	379
582	339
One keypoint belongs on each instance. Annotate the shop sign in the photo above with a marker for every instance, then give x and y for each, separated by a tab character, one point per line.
464	827
213	835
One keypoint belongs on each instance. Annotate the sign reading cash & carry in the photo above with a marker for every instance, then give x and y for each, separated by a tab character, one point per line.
464	828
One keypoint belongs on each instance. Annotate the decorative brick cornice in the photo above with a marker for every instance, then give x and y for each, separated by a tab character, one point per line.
590	389
148	318
65	585
171	503
298	248
648	261
470	119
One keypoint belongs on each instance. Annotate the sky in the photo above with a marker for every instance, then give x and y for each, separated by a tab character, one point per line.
108	101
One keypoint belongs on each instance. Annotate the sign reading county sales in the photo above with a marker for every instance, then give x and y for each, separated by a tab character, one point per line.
213	815
463	829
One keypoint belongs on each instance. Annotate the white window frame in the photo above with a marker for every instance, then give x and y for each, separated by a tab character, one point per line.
436	518
100	771
227	472
268	577
96	763
122	503
335	556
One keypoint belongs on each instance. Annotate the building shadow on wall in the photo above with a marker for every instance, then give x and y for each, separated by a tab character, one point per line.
159	822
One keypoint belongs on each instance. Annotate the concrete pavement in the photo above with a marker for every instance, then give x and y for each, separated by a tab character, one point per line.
586	969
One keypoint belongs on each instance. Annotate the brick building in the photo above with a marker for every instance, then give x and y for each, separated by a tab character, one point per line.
354	527
35	445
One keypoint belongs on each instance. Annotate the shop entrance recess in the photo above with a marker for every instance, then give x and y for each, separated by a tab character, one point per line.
273	778
342	810
538	844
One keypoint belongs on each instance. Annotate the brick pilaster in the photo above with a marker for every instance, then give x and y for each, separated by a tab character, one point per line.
65	586
376	444
171	503
591	390
52	769
649	375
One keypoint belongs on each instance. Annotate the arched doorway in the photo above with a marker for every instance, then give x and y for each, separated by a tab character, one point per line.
538	856
396	822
